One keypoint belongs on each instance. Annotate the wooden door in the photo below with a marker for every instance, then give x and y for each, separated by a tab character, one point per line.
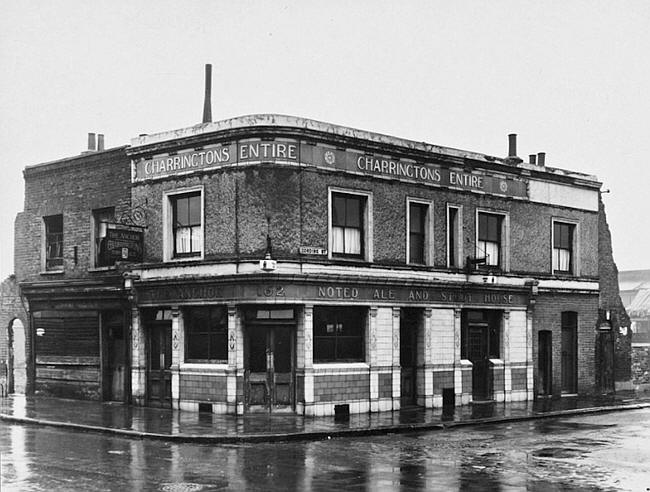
159	361
270	372
408	359
569	359
545	363
477	353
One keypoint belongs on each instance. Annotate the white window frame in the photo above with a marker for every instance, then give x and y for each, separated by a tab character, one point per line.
459	236
575	245
367	223
504	258
428	230
168	227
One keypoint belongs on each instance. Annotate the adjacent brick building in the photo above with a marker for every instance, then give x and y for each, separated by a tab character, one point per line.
281	264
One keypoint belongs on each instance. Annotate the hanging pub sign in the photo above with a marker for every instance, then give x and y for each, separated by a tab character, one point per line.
123	243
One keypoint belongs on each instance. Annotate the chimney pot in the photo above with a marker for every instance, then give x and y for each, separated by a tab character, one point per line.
533	158
541	158
512	145
207	103
100	141
91	141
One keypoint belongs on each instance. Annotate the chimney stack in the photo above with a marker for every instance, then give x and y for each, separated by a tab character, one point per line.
207	103
512	145
541	158
533	158
91	142
100	142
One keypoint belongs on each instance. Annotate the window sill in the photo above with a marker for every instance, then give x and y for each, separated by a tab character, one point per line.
184	259
215	366
341	365
102	269
52	272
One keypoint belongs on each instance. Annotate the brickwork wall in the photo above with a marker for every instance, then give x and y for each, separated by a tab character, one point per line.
517	324
498	378
442	380
442	327
547	316
610	300
72	188
385	385
203	387
341	387
11	308
519	379
298	216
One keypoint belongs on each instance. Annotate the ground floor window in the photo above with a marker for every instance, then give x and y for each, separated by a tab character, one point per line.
480	334
339	334
206	334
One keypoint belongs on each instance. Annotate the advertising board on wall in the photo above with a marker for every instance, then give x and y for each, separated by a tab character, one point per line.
294	152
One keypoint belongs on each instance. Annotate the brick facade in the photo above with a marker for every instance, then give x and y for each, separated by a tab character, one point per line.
284	204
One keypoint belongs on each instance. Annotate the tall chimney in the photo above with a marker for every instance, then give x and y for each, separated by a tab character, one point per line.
207	103
541	158
533	158
100	141
512	145
91	142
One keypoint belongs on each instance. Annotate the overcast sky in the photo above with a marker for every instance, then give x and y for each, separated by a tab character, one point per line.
571	78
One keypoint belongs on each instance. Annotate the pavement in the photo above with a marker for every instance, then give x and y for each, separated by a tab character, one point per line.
183	426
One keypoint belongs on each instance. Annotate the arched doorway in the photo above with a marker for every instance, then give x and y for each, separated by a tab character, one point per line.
17	363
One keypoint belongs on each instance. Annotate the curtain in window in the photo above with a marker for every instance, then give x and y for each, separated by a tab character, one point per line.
352	241
338	241
490	250
183	240
561	259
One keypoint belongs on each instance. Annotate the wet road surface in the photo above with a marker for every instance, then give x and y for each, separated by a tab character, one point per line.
609	451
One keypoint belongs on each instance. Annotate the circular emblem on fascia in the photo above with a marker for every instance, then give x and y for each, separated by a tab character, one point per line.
503	186
330	158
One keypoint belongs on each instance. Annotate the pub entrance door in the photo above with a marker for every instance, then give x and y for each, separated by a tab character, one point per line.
481	340
408	336
270	368
159	361
569	354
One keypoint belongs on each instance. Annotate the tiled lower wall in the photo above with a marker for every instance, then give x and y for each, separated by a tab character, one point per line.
203	387
338	387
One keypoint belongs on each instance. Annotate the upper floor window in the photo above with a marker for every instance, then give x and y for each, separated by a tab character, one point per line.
454	237
184	232
563	247
101	218
206	334
489	243
349	225
418	232
53	242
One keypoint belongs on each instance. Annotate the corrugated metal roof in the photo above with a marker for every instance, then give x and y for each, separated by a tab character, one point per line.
640	305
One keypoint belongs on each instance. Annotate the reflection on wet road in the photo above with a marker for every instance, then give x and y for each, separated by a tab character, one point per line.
608	451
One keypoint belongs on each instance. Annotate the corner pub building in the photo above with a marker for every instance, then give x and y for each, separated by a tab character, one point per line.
280	264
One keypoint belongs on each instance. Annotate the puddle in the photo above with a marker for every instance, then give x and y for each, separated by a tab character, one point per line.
558	453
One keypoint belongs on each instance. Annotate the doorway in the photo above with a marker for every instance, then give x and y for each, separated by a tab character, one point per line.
159	360
569	352
408	335
481	341
270	368
545	363
114	365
